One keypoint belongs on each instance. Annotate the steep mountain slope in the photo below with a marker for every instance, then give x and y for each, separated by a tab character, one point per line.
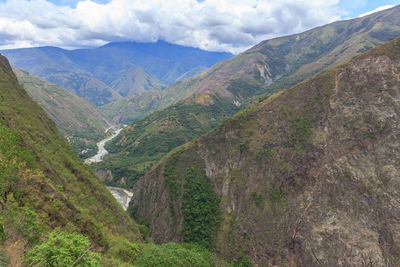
134	80
44	185
52	64
308	177
137	106
274	64
77	119
231	84
83	85
103	74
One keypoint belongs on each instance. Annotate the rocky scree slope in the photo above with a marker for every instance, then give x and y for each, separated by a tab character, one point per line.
44	185
231	85
308	177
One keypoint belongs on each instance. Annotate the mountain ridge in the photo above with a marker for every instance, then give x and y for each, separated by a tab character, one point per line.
307	174
94	73
231	85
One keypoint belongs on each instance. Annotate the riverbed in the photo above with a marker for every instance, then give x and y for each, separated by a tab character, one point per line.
102	151
123	196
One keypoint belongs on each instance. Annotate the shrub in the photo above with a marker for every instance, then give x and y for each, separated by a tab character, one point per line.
2	232
10	153
242	261
300	131
129	252
144	231
63	249
25	220
258	200
173	255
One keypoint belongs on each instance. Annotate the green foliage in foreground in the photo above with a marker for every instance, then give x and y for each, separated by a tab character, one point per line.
174	255
63	249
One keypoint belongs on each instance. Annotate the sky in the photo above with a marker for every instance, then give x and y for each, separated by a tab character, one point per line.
215	25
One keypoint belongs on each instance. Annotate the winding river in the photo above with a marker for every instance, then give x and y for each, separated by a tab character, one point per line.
122	195
102	151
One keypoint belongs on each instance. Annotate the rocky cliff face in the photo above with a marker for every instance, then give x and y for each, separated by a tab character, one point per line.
308	177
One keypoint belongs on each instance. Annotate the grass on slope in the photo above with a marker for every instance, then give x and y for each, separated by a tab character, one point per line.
44	185
77	119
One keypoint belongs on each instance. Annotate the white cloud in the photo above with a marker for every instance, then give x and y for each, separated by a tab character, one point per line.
376	10
219	25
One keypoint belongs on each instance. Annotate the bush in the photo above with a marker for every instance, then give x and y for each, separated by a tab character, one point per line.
63	249
144	231
25	220
129	252
242	261
3	234
300	131
173	255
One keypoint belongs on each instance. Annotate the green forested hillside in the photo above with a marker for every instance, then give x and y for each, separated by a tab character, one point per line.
77	119
232	84
147	140
307	177
53	209
44	185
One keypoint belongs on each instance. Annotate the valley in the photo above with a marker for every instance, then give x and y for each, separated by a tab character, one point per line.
131	140
207	99
76	119
123	196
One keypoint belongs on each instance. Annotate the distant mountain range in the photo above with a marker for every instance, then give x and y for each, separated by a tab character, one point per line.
105	74
229	86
